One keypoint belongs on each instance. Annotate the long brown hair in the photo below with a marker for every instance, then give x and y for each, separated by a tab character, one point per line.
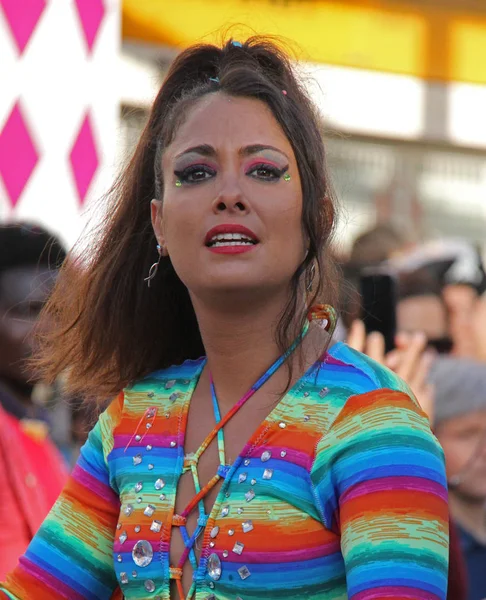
107	328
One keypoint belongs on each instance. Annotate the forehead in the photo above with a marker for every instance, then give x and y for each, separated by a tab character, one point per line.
227	121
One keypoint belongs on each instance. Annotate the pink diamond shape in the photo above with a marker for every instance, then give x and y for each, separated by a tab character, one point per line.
91	13
84	158
18	155
22	18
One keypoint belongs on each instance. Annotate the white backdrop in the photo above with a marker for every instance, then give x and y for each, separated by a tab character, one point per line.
58	109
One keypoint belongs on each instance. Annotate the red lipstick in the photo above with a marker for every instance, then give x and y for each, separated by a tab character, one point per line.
230	239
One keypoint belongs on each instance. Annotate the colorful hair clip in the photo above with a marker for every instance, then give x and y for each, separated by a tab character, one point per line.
284	92
237	44
214	79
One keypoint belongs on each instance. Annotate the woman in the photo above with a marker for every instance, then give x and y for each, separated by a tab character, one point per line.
204	478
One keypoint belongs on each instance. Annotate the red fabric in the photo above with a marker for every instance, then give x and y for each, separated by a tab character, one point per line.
457	589
32	474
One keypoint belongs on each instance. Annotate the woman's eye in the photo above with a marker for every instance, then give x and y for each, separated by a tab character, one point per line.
195	174
266	172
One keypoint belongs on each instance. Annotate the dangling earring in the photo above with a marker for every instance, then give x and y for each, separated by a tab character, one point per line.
310	277
153	269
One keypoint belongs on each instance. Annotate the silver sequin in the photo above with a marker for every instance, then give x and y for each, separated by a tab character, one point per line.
137	459
156	526
159	484
149	511
214	531
267	455
119	558
151	412
238	547
242	477
283	454
134	574
138	437
118	526
150	467
240	510
282	425
139	499
148	425
123	577
225	553
212	544
214	567
137	528
250	494
123	537
268	474
149	447
247	462
244	572
247	526
306	418
253	481
128	509
149	585
150	394
170	384
138	487
231	532
173	444
162	497
142	553
173	397
225	511
324	392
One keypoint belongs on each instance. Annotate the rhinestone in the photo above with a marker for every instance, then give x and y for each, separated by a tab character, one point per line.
138	438
149	511
282	425
225	511
138	486
244	572
123	577
118	526
137	459
269	512
173	397
214	531
119	558
137	528
139	499
283	454
148	425
134	574
162	497
149	447
156	526
267	455
324	392
186	382
306	394
212	586
170	384
238	548
149	585
247	526
151	412
142	553
250	494
150	467
212	544
253	481
227	495
225	553
172	444
247	462
159	484
123	537
150	394
268	474
242	477
240	510
167	415
231	532
128	509
214	567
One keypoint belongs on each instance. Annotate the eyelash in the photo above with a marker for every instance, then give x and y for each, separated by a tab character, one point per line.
185	174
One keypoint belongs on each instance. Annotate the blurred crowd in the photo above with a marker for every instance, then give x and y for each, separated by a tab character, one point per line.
439	350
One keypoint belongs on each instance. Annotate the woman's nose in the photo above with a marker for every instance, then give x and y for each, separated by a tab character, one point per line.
231	199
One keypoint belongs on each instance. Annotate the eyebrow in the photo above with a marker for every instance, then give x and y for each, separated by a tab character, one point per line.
207	150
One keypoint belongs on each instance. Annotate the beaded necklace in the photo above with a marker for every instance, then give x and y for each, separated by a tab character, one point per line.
191	462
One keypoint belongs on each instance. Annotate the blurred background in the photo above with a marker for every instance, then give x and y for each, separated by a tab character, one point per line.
401	87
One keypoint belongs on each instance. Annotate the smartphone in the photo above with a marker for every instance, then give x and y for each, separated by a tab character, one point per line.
378	304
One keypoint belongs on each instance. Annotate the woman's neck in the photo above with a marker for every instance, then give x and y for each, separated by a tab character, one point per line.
469	514
240	346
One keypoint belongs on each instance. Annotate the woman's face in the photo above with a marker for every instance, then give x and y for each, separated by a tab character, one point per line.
233	224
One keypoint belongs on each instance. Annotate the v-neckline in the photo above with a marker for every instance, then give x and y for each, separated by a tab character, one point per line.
275	416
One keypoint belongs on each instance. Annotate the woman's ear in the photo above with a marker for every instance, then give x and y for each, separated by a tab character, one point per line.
156	216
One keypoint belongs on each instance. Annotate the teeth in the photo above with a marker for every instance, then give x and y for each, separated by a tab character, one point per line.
230	239
227	243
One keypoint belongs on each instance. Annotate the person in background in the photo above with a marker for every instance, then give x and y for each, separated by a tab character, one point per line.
32	471
460	426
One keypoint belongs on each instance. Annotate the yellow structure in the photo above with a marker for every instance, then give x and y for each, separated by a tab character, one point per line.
442	40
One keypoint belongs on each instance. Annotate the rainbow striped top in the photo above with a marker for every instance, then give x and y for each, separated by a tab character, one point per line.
349	498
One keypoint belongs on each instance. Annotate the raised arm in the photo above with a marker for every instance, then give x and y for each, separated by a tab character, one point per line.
71	556
380	481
